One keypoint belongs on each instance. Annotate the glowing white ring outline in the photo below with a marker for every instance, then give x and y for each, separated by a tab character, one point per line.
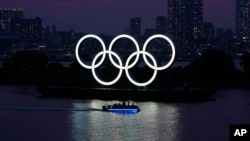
97	78
78	46
126	67
137	50
171	45
130	78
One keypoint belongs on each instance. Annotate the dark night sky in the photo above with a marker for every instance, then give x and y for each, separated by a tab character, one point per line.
112	16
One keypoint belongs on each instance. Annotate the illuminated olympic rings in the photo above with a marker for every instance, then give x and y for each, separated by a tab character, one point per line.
127	64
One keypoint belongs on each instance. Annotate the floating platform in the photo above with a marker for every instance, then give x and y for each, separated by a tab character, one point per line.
174	95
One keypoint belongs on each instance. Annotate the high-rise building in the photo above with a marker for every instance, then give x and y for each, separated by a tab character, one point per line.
7	14
161	24
220	32
243	18
185	19
29	30
135	27
208	32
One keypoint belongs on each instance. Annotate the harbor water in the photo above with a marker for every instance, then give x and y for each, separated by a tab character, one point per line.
26	116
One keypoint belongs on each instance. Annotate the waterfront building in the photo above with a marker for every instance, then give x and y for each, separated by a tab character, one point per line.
29	30
7	14
243	18
135	27
161	24
185	20
243	24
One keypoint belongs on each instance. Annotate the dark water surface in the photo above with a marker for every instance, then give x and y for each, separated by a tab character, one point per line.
26	117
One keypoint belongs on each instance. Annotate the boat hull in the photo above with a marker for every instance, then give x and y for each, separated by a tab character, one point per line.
124	110
121	109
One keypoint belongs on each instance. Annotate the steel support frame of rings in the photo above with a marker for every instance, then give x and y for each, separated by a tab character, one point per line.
127	66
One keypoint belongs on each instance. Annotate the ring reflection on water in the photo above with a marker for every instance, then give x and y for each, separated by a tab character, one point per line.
156	121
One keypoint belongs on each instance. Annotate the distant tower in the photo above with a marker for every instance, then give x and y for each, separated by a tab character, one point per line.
208	32
220	32
54	29
7	14
243	18
161	24
135	27
185	19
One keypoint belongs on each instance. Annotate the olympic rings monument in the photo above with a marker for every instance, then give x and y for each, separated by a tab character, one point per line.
128	64
141	92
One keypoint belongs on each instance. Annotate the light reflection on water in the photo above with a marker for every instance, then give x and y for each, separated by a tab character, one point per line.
156	121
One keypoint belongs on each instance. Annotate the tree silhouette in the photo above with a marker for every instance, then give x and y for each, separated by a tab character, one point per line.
213	66
245	63
29	61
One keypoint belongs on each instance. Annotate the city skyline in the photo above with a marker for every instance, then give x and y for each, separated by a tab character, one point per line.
113	16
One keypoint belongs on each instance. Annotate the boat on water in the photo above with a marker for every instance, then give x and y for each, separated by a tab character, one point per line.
122	108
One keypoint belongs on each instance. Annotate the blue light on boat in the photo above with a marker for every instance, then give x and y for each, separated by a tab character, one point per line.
124	110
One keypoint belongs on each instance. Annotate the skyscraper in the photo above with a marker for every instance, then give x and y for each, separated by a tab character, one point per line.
185	19
7	14
161	24
208	32
135	26
243	18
